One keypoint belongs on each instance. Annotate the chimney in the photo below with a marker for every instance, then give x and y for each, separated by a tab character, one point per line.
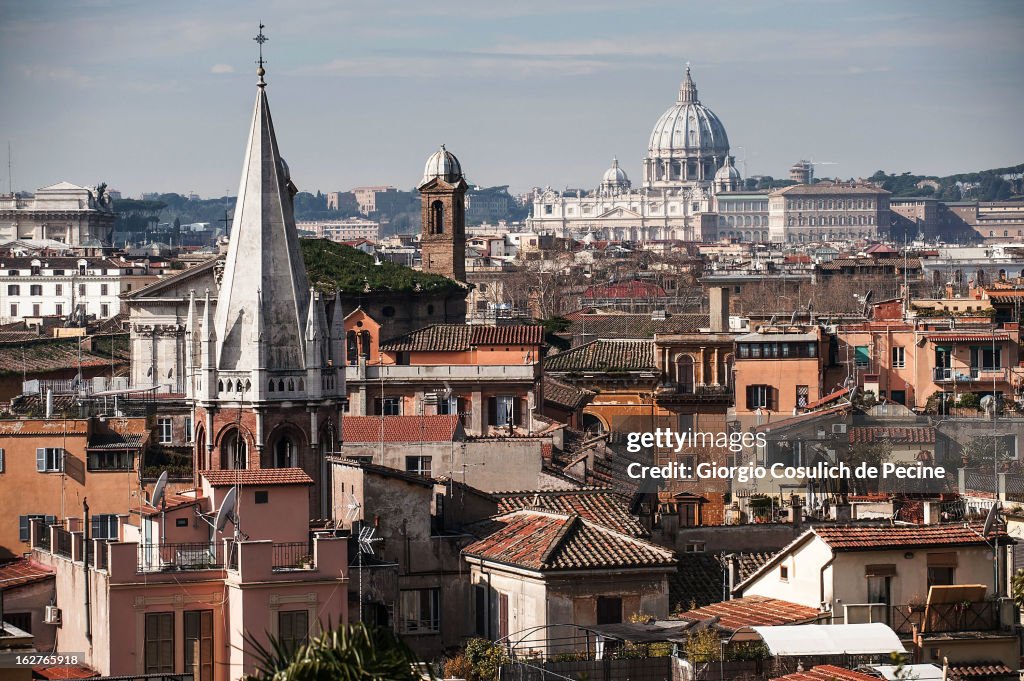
718	304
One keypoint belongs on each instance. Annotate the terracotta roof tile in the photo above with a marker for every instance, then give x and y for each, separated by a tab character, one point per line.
65	672
600	506
565	395
460	337
987	669
22	571
968	337
258	477
923	435
44	356
605	355
826	672
628	289
400	428
849	538
633	325
543	540
752	611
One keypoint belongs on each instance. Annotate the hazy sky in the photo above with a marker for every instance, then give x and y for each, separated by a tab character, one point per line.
156	96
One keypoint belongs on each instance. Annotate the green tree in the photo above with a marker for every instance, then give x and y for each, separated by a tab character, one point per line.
354	652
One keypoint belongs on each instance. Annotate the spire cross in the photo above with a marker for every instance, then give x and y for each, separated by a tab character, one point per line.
260	38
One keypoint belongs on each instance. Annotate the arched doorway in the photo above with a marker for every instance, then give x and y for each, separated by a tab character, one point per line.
234	450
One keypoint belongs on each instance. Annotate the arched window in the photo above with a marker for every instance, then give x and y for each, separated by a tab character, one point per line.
437	218
234	453
284	453
351	347
291	385
684	373
270	386
364	343
280	385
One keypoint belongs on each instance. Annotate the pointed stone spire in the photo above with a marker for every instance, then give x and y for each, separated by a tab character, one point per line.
264	275
208	388
688	90
338	333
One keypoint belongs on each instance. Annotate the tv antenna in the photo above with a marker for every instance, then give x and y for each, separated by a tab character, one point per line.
365	541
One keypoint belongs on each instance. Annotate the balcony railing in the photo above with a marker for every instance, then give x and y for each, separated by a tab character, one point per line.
99	556
196	556
443	372
292	556
946	617
967	374
699	392
64	542
42	535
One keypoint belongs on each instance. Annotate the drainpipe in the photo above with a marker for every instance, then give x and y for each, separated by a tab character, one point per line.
85	567
821	584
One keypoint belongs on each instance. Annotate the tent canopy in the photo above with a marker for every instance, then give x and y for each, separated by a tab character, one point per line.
825	639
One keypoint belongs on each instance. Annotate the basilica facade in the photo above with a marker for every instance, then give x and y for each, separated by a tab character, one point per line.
686	166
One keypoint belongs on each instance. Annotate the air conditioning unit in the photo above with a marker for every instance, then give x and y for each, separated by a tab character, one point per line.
838	428
51	615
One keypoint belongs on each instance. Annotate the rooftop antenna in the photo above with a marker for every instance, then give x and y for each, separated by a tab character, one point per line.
365	540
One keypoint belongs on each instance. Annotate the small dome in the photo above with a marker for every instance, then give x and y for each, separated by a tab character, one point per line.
442	165
727	172
615	177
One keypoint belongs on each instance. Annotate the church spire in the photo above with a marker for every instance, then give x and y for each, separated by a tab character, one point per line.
264	282
688	90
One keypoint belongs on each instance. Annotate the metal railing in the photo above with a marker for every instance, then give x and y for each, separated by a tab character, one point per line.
967	374
64	543
99	555
946	617
194	556
42	535
292	556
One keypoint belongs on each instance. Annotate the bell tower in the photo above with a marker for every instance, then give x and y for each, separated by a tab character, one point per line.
443	195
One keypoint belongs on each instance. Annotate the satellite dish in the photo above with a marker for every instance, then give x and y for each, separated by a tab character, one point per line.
226	511
158	490
990	519
988	403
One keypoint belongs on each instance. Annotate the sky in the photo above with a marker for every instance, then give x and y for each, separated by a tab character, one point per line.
157	96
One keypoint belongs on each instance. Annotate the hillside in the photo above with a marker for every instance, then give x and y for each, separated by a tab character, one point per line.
335	267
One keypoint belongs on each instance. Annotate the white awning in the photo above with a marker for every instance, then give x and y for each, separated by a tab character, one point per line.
830	639
917	672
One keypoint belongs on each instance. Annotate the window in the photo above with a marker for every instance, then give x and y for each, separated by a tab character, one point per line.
760	397
292	628
862	356
188	428
986	359
421	611
104	310
262	497
899	359
13	290
14	310
36	310
689	514
803	395
694	547
104	526
118	460
199	629
49	459
164	431
25	524
81	289
104	288
388	406
609	610
35	290
784	573
59	289
420	465
159	652
59	309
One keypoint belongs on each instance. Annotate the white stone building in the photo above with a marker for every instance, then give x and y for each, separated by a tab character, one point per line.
346	229
80	217
687	162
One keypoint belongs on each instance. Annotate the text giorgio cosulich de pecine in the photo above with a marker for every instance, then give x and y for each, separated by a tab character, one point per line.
736	442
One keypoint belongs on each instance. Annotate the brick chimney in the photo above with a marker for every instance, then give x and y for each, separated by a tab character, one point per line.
718	306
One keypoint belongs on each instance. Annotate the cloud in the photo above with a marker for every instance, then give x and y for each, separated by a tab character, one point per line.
222	68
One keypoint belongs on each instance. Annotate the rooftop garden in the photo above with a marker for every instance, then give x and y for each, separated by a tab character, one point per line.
333	267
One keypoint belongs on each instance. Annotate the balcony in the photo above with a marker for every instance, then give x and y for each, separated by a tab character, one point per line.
173	557
677	393
291	556
443	372
968	375
935	618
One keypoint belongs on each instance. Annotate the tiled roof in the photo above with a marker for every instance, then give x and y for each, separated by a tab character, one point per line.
633	325
258	477
173	501
79	671
117	441
696	582
564	395
600	506
44	356
891	263
831	397
605	355
400	428
831	188
523	334
22	571
74	428
850	538
923	435
387	471
968	337
460	337
988	669
826	672
545	541
752	611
